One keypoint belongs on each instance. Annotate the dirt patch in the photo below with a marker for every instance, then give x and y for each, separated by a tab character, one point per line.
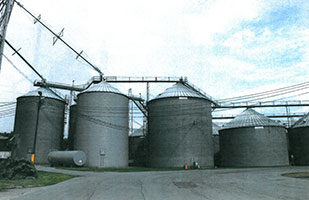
304	175
185	184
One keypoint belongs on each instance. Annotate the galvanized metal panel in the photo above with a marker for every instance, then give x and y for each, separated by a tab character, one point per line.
72	125
179	90
216	146
137	151
45	93
50	126
102	87
138	132
299	145
180	132
302	122
215	129
102	128
250	118
252	147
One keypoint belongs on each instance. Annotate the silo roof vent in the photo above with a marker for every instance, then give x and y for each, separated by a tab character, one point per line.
179	90
45	93
250	118
302	122
102	87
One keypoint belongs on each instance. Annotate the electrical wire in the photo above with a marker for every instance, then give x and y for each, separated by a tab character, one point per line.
249	96
7	110
301	94
29	65
24	75
3	104
273	95
59	38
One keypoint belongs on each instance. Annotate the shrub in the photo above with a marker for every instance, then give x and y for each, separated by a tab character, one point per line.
17	169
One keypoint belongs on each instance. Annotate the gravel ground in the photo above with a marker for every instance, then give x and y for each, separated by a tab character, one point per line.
253	183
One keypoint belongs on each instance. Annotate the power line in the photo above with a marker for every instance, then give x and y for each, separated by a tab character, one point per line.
287	97
8	115
24	75
277	94
7	109
29	65
79	54
263	93
43	79
7	103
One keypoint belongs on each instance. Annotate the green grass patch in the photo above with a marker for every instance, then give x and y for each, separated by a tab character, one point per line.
127	169
44	179
297	175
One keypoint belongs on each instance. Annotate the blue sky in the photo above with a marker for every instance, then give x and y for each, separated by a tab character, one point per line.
227	48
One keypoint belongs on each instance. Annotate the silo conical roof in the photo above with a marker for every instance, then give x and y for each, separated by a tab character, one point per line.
179	90
102	87
215	129
302	122
250	118
45	93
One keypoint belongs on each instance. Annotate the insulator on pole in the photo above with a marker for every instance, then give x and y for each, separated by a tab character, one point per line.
78	55
37	19
16	51
55	38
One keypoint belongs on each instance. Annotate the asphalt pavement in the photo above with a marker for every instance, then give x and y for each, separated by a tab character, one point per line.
225	184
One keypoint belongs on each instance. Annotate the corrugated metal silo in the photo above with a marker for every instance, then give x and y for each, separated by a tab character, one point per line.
50	124
215	136
252	140
299	141
216	143
102	126
72	125
137	148
180	129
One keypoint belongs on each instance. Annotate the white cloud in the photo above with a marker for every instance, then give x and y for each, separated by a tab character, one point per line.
245	43
219	17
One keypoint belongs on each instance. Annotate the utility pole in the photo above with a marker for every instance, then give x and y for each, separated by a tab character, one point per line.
287	114
147	92
71	95
36	127
131	113
145	119
5	16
